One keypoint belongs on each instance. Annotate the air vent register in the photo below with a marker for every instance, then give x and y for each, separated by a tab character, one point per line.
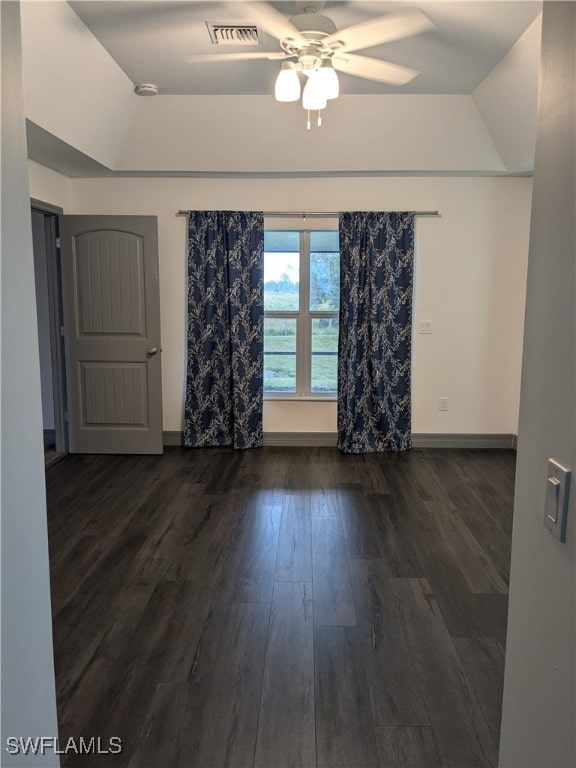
233	34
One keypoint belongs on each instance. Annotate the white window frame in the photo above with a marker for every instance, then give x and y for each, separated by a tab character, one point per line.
303	317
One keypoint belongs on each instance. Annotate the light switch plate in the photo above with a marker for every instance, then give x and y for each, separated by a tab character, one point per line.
556	499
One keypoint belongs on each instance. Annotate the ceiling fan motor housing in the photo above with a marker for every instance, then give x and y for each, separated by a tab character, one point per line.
307	46
313	24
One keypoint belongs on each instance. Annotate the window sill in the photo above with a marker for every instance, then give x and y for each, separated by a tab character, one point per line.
295	397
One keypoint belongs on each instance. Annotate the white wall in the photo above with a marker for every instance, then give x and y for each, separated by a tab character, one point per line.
359	133
507	100
49	186
73	87
28	691
470	281
539	714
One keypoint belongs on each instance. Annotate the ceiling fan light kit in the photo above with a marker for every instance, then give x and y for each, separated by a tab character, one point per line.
321	85
313	60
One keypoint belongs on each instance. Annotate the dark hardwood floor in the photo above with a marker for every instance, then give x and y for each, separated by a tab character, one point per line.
282	607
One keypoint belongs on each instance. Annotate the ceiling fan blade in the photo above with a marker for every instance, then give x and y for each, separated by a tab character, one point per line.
374	69
381	30
264	16
195	58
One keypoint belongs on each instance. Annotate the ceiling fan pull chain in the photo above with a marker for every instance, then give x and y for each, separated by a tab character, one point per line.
308	121
319	119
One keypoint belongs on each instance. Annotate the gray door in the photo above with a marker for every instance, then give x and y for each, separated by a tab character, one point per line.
112	333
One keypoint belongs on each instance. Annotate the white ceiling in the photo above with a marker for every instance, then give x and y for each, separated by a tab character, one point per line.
149	40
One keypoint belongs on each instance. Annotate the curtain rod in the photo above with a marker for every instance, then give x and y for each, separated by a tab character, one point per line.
318	214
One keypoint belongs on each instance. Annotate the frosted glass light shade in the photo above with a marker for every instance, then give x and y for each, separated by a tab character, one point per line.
313	96
287	86
329	79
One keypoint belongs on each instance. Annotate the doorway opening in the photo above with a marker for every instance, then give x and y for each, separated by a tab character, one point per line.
47	275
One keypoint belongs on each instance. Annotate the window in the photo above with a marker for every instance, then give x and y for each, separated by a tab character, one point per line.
301	300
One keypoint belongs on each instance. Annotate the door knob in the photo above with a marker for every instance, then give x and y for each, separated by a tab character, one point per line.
152	351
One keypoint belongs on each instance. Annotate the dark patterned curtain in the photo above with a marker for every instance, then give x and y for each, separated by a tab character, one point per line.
374	348
225	329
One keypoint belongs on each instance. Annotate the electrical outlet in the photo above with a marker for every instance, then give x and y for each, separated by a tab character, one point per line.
442	403
425	326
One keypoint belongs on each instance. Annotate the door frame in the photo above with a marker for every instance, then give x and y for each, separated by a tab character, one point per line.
53	227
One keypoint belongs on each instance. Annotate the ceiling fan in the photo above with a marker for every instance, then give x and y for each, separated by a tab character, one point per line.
312	45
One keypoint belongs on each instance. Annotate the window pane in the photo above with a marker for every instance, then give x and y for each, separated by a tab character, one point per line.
281	271
324	240
324	354
279	354
279	241
324	271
